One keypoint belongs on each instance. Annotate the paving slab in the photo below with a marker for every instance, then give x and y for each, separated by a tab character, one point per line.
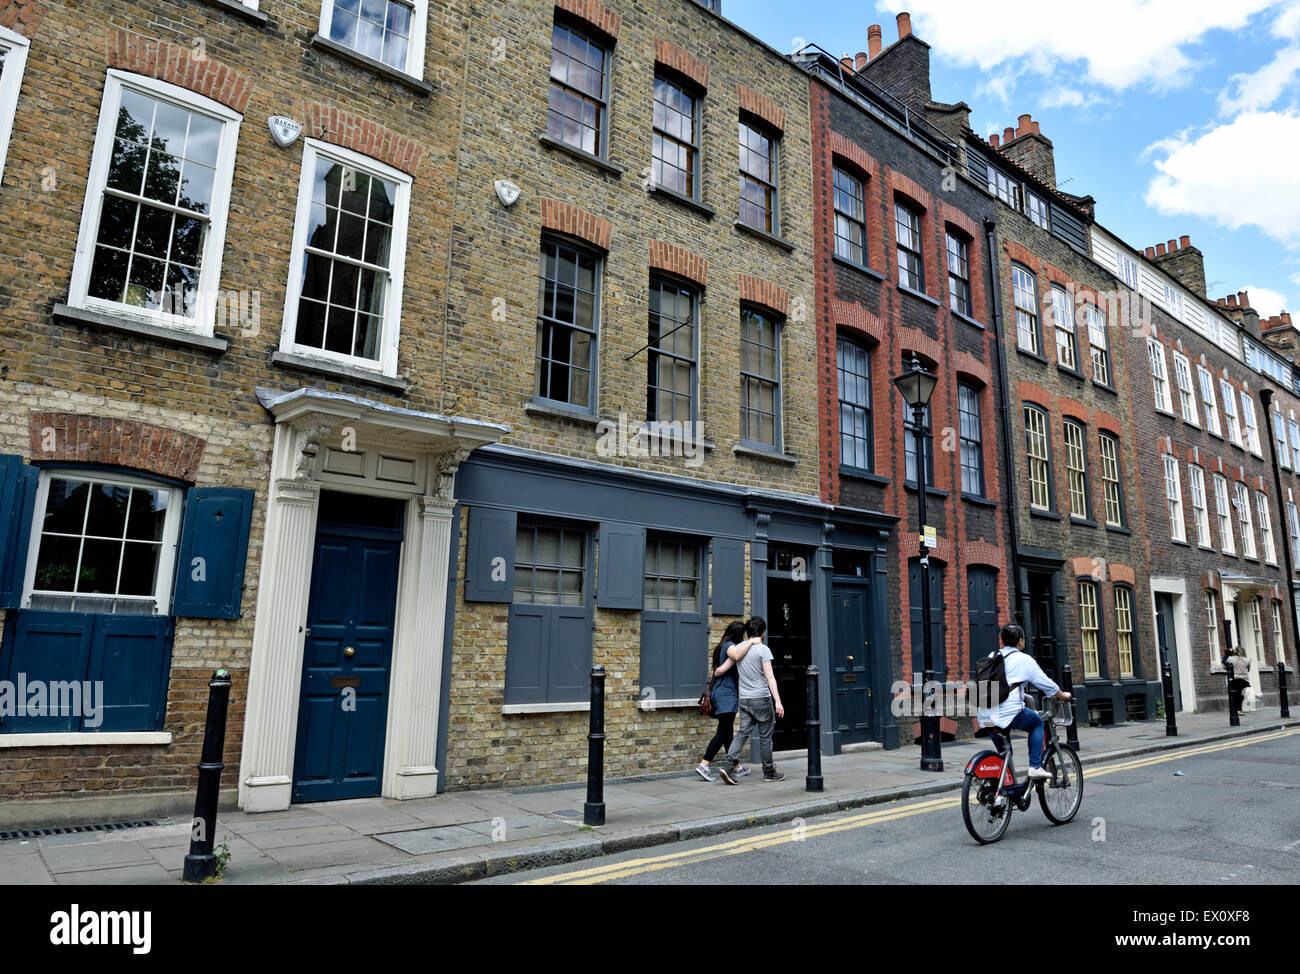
348	852
96	855
28	869
151	874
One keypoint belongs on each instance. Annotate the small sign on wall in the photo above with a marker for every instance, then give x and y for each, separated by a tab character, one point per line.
285	131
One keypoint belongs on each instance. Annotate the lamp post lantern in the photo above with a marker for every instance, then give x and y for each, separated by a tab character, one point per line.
917	386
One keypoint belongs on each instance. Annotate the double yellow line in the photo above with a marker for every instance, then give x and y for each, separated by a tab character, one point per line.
787	833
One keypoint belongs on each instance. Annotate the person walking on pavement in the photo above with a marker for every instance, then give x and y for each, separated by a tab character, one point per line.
726	699
1241	664
760	702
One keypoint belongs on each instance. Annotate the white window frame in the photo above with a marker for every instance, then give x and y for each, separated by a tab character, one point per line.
387	344
1293	529
1173	301
1199	506
162	596
1186	394
213	246
1244	518
1251	422
1206	382
1229	395
1174	499
15	48
1212	630
1159	375
1036	209
1128	269
1295	441
1279	434
1279	646
1223	511
1265	527
414	49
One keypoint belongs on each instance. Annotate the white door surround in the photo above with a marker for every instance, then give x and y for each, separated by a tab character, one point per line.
344	443
1182	657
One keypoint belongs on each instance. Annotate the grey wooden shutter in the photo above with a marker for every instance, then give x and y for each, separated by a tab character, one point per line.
490	556
728	577
621	566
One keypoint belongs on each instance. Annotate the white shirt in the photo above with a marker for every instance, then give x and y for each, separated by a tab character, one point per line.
1021	669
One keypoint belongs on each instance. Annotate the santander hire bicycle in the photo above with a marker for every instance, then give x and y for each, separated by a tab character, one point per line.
991	790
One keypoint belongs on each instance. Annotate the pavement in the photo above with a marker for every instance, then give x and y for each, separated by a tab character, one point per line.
467	835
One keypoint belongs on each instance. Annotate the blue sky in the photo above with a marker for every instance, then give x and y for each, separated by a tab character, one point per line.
1179	116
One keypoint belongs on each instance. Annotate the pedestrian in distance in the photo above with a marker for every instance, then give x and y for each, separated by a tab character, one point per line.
724	693
1241	664
760	702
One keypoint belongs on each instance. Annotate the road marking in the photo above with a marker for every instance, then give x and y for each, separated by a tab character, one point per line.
892	813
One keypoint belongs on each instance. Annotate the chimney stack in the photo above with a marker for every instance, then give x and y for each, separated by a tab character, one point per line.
873	40
1184	263
1031	151
905	73
904	25
846	63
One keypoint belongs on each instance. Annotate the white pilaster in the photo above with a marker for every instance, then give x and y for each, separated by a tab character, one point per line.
410	769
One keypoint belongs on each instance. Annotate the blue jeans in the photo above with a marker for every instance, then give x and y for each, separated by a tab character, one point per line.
1026	720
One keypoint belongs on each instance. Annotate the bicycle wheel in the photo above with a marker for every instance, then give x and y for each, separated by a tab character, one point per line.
985	822
1063	794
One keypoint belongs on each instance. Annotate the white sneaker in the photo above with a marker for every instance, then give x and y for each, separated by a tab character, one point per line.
1039	774
703	771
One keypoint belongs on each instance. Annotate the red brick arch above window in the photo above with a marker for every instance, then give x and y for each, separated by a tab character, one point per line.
983	553
849	150
593	14
81	438
177	64
858	318
911	340
967	364
755	290
576	222
22	16
1121	573
762	107
363	136
1086	567
671	56
676	260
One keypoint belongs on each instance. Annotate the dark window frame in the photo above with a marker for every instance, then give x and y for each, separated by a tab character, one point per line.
693	148
747	377
855	407
594	40
959	286
654	353
969	392
911	259
857	220
770	184
548	325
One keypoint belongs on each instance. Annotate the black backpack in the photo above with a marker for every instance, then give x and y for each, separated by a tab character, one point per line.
993	668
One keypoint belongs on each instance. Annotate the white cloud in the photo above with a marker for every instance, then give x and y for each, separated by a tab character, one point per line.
1260	89
1065	97
1295	279
1130	41
1287	24
1265	300
1238	174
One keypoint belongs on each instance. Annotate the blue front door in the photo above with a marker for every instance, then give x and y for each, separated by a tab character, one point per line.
349	646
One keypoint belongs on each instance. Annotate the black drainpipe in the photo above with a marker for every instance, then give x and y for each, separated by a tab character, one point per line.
1008	473
1266	400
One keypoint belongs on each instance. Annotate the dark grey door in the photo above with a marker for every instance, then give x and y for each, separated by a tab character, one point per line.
1167	641
1044	642
851	688
982	610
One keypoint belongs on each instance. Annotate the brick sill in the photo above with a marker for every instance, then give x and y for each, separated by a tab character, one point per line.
857	473
1105	388
978	500
536	407
771	238
860	268
1116	529
172	336
290	360
1045	515
609	167
422	88
83	738
917	294
969	320
240	10
1072	373
910	487
1033	355
762	453
673	196
1084	522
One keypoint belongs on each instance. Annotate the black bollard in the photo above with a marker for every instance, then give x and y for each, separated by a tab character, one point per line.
1281	689
813	782
200	863
1072	731
1233	719
1171	724
593	812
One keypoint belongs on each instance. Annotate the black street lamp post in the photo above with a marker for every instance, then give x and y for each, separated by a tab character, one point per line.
917	386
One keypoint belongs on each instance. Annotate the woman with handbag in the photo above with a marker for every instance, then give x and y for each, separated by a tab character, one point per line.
722	699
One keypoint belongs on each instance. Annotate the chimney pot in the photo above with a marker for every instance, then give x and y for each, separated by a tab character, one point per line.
846	62
1008	134
1243	298
861	61
994	141
1184	241
1286	317
1223	302
1022	125
1150	252
904	25
1172	245
1160	250
873	40
1232	300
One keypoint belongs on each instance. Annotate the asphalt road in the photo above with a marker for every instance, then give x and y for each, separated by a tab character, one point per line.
1231	817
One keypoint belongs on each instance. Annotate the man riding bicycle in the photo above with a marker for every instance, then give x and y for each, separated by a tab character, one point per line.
1011	713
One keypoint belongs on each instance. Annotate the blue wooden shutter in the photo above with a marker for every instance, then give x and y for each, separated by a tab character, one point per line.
490	556
728	577
213	549
17	505
690	655
569	672
131	655
622	566
50	647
